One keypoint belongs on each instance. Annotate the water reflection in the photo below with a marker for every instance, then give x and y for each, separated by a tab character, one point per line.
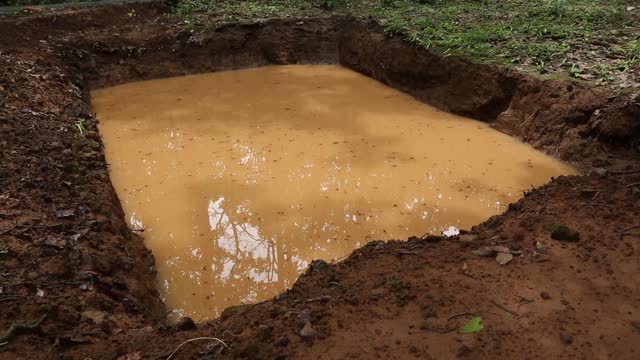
240	179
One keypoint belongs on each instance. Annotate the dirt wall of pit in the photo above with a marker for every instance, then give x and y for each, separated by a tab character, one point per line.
567	119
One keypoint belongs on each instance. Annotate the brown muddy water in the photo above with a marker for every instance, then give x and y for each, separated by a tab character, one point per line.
239	179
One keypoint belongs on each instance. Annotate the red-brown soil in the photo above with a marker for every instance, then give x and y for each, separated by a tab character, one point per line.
68	258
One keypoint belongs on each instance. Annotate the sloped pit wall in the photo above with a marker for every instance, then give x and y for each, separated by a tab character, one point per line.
570	120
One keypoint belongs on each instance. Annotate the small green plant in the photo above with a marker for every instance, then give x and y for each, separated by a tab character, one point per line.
80	125
395	283
574	71
132	13
541	66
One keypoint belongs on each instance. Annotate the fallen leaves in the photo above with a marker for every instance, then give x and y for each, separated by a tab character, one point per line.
474	325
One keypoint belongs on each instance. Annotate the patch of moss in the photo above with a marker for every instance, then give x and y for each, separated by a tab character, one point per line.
562	233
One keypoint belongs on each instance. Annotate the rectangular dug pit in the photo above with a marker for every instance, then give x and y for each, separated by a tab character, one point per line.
239	179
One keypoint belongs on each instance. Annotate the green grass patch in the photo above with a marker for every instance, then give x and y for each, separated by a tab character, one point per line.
538	34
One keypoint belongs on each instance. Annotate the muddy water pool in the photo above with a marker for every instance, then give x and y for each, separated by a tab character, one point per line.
239	179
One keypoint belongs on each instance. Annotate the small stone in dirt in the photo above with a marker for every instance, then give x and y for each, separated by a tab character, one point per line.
308	332
413	349
563	233
282	341
467	238
492	250
304	316
377	294
484	251
566	337
542	249
317	265
545	295
52	241
86	287
515	207
65	213
264	332
503	258
184	323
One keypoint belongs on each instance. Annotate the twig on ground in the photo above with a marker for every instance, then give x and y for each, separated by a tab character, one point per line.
406	252
26	226
460	314
17	329
196	339
471	276
627	172
320	298
523	315
632	185
505	309
439	331
11	298
230	333
524	301
631	228
7	230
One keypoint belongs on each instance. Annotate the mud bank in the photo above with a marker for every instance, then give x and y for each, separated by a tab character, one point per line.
68	258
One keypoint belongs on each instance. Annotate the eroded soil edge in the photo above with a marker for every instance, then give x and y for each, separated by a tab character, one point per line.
66	251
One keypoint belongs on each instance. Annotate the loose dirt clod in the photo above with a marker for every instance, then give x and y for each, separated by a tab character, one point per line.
566	338
563	233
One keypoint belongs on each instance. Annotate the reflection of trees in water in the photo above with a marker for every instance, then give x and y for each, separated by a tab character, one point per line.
253	263
251	260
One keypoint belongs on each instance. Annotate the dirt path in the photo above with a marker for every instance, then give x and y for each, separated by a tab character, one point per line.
67	255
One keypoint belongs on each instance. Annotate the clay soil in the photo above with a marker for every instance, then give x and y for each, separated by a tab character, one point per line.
76	283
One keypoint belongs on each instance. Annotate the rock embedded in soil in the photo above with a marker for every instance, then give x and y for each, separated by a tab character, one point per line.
504	258
566	337
184	323
308	333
